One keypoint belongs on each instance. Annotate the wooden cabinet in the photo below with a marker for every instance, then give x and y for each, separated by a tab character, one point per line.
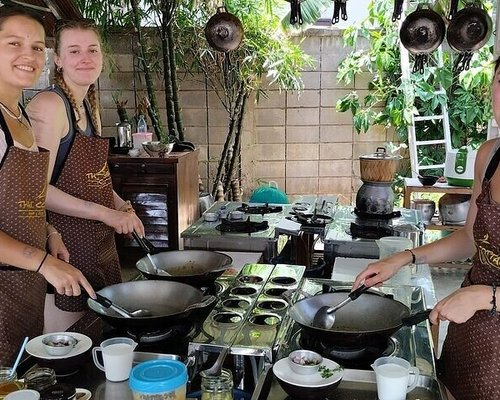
413	185
164	193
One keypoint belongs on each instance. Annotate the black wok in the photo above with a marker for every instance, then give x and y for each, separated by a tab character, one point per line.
368	321
194	267
167	301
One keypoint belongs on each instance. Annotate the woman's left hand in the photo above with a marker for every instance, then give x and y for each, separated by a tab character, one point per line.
461	305
57	248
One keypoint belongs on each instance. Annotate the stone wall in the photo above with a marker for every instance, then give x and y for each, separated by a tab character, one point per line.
297	140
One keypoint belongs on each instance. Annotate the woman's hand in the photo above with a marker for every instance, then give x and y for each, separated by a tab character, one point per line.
56	246
462	304
123	222
378	272
65	278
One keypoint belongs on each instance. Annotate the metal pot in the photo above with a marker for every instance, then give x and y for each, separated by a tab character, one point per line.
468	31
453	208
369	320
421	33
378	166
224	31
375	198
426	207
194	267
167	301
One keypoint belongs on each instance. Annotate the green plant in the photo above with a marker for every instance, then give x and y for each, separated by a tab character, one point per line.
392	101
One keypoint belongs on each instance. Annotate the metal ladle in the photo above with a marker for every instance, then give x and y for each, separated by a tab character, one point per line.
215	370
147	249
104	301
325	316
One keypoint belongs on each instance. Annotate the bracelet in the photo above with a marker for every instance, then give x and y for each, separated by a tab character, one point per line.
52	233
413	257
43	260
493	300
127	207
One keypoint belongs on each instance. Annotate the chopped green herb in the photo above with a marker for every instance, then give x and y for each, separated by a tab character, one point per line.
327	372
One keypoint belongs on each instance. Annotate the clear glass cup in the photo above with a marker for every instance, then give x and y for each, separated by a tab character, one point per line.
217	387
8	382
40	378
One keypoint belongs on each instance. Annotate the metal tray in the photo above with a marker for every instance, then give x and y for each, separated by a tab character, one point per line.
141	356
356	384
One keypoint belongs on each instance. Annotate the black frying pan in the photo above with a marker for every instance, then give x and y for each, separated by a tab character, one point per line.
371	319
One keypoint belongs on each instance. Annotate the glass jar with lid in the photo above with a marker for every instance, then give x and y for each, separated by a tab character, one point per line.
9	382
217	387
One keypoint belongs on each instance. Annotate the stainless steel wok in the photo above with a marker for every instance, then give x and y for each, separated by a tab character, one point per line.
167	301
194	267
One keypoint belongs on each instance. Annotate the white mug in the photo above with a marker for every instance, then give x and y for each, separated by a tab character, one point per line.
393	377
117	356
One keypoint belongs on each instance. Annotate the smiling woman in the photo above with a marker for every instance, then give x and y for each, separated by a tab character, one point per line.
24	261
81	202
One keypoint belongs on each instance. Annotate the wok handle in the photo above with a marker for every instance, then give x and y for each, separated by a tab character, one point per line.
103	301
359	291
416	318
207	300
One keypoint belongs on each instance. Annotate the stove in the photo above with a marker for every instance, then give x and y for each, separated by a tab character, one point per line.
411	343
254	232
353	236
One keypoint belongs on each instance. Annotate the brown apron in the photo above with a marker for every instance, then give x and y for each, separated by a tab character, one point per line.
470	360
91	244
23	179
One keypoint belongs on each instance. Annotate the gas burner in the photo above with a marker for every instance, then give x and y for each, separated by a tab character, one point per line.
348	357
369	231
310	219
362	214
242	226
265	319
264	209
182	329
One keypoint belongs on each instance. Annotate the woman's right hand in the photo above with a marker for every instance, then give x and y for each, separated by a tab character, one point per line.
379	271
123	222
65	278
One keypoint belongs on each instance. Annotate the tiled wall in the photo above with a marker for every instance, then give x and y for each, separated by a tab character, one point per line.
297	140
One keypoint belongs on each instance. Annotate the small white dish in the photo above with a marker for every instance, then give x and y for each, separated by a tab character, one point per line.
23	394
36	348
83	394
283	371
304	362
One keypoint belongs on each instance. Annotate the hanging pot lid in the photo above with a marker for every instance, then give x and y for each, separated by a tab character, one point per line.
421	33
224	31
470	29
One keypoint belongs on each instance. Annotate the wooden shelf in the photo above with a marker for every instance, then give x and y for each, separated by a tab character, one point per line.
413	185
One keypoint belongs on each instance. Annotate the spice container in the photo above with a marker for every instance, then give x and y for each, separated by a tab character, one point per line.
8	382
217	387
159	380
40	378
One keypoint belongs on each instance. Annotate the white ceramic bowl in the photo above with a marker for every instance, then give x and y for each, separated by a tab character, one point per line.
304	362
59	344
210	217
157	149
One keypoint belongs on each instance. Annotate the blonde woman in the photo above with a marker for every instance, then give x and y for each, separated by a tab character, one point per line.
83	206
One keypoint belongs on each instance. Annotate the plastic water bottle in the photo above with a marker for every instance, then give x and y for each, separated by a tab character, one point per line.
141	124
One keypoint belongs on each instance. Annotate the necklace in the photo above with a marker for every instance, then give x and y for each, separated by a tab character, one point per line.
10	113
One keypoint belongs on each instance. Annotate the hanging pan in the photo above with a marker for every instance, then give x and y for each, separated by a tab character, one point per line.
468	31
421	33
224	31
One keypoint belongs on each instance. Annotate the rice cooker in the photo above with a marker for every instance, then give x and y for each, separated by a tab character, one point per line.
459	166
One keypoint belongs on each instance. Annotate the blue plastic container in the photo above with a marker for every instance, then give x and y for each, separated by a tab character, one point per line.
151	379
